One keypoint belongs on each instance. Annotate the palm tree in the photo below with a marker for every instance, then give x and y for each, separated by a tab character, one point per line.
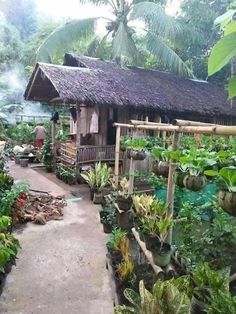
157	28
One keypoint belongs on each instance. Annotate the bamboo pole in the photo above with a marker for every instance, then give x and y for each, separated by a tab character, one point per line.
53	134
171	185
117	156
78	125
131	175
158	270
211	130
138	122
190	123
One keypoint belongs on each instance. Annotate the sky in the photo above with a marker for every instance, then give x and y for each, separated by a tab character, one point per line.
72	9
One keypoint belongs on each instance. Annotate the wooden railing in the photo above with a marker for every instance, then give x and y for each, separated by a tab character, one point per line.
88	154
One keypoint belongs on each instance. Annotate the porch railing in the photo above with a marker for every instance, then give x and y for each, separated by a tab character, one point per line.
88	154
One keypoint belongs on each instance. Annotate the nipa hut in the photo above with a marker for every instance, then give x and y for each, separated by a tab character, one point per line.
99	93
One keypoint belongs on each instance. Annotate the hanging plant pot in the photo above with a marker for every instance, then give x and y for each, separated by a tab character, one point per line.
155	167
97	198
161	253
163	168
194	183
227	201
124	203
197	307
137	154
180	178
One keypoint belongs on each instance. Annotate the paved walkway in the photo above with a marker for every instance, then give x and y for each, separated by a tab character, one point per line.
61	267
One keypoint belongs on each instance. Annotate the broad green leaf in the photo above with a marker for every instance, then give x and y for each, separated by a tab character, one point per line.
230	28
221	54
64	36
232	87
211	173
225	18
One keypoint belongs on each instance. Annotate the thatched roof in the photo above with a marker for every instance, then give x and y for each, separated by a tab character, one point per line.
95	82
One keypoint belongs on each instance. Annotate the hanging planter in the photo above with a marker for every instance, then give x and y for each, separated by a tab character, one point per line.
162	254
137	155
180	178
227	201
163	168
194	183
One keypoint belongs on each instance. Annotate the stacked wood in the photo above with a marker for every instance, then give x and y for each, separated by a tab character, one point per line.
41	208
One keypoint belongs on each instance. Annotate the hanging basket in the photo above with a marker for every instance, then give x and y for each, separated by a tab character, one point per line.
163	168
227	201
137	155
194	183
180	178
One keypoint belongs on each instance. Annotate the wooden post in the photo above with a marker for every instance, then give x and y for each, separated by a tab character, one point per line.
171	184
117	155
78	125
53	132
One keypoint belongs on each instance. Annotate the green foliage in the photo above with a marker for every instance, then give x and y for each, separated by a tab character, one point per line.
22	133
166	298
8	244
227	174
46	154
9	197
98	177
116	239
6	181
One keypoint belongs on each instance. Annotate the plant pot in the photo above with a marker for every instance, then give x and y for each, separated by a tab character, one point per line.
125	220
180	178
197	307
124	203
24	162
97	198
227	201
137	155
162	255
17	160
92	194
107	228
163	168
194	183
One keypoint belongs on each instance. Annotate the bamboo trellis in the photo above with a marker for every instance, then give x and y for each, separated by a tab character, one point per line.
177	128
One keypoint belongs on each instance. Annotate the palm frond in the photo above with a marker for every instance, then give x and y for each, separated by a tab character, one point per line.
154	14
166	55
64	36
123	46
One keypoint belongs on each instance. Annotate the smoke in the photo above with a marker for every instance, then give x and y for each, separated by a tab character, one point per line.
13	83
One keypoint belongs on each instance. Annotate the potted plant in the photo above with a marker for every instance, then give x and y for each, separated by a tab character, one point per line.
117	244
167	297
156	231
227	192
97	179
161	157
196	180
108	218
136	147
207	282
124	199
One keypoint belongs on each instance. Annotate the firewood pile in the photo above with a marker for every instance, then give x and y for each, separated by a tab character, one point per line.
41	208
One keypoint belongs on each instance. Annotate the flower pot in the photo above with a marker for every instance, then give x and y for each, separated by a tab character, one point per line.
24	162
125	220
17	160
163	169
107	228
162	255
197	307
195	183
180	178
124	203
137	155
97	198
227	201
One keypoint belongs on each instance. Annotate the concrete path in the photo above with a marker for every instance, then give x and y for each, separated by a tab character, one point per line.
61	266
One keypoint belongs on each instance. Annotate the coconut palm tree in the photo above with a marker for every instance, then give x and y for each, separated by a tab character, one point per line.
157	28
